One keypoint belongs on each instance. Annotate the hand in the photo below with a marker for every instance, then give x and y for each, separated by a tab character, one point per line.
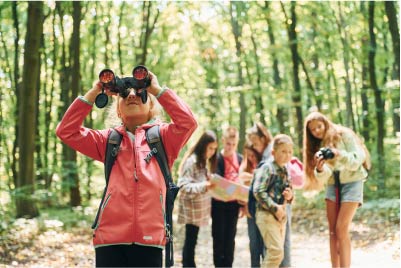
319	162
94	91
280	213
154	87
288	194
243	211
209	185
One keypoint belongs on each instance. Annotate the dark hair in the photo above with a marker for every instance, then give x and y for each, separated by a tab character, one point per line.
245	162
199	149
261	131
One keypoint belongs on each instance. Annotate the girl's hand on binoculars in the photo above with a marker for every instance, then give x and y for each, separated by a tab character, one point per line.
93	92
154	87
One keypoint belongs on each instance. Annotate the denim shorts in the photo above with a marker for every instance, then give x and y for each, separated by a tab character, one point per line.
350	192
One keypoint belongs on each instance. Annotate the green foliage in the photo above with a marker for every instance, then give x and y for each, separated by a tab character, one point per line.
193	51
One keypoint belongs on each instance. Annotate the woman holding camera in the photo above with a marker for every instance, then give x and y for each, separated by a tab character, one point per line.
341	158
131	228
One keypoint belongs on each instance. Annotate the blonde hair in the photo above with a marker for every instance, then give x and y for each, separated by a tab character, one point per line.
112	119
281	139
231	133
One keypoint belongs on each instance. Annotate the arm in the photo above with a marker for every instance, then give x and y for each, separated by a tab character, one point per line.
72	132
182	126
191	180
262	180
353	155
176	134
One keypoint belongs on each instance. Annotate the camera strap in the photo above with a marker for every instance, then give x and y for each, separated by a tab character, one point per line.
337	186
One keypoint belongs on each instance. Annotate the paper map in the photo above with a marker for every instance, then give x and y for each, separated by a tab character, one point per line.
226	190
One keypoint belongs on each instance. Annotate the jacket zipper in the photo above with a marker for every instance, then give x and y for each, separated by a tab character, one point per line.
101	211
135	174
164	214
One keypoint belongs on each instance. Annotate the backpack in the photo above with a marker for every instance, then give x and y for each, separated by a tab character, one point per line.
157	149
296	172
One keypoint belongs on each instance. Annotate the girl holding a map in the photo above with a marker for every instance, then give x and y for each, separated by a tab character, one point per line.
194	200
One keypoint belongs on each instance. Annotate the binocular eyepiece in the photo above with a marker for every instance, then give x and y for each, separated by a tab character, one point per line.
139	82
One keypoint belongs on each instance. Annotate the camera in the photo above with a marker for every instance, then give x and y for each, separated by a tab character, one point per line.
139	82
326	153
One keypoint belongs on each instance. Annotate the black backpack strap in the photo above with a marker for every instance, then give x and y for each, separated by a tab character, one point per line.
112	149
157	149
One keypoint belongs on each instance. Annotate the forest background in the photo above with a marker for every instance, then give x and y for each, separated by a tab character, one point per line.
234	63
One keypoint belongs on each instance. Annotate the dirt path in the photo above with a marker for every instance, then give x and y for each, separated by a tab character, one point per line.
375	239
307	250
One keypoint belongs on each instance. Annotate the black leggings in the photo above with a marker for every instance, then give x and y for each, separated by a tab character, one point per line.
128	256
188	251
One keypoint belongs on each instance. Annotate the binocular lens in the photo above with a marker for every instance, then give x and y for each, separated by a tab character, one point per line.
140	72
106	76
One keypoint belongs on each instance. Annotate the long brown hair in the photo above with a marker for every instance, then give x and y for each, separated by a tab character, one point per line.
246	165
199	149
311	145
261	131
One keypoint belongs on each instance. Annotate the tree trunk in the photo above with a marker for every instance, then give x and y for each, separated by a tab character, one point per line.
259	92
17	89
391	13
350	122
65	85
237	31
378	98
365	80
282	112
147	29
75	195
25	205
119	39
296	96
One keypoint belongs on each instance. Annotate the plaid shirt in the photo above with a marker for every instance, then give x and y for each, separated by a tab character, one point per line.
194	200
270	182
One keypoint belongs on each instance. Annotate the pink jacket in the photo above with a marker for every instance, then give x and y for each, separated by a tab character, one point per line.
133	208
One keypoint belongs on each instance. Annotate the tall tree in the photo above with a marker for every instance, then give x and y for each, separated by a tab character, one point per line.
395	36
346	60
391	13
147	28
282	112
379	105
75	195
365	78
16	86
26	138
291	24
236	28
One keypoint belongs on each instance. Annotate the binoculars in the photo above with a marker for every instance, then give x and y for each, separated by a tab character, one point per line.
139	82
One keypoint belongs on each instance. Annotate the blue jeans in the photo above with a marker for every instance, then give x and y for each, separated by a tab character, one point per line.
287	242
257	247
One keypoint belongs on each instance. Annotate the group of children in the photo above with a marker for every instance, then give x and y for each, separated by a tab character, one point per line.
196	205
264	167
128	232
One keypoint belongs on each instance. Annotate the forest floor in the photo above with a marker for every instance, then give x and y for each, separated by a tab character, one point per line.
375	239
